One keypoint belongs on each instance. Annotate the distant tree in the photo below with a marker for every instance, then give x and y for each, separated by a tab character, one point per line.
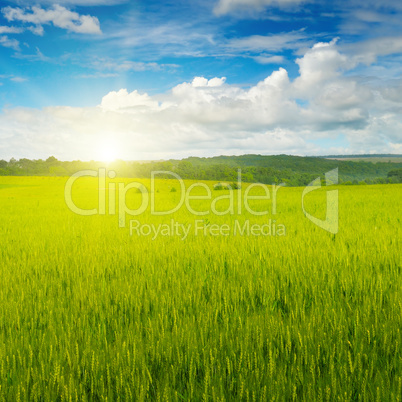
51	160
395	175
185	169
166	166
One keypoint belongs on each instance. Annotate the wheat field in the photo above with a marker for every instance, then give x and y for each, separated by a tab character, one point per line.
92	312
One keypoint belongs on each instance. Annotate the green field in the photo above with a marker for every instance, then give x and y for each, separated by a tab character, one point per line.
90	312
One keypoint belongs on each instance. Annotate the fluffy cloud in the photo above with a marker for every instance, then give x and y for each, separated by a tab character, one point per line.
209	116
227	6
203	82
322	63
124	102
59	16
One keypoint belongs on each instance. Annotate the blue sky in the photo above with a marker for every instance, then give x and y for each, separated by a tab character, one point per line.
95	79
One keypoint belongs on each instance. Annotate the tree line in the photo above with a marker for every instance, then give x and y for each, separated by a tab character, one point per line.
292	170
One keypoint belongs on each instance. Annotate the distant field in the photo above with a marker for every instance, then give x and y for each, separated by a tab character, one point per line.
397	159
90	312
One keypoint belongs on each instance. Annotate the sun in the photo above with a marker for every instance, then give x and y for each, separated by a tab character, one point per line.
107	151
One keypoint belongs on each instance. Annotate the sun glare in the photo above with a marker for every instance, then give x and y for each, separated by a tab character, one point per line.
107	151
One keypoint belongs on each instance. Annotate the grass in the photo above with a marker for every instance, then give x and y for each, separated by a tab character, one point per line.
90	313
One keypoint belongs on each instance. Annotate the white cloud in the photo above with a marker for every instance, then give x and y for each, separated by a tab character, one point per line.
360	17
123	101
166	33
369	50
209	116
203	82
264	59
37	30
18	79
11	43
59	16
268	43
38	56
5	29
160	38
321	64
393	92
228	6
128	65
